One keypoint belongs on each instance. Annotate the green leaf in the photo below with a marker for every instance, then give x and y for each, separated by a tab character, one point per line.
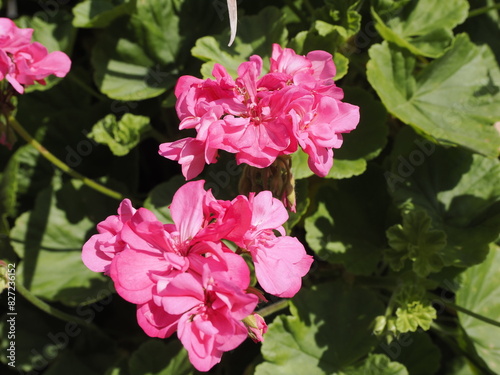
480	293
414	315
334	24
459	191
100	13
343	213
157	358
436	101
329	330
256	35
156	26
376	364
424	26
417	241
122	135
135	58
51	237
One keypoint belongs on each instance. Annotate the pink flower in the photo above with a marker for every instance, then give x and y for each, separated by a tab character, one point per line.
13	38
260	118
100	249
213	305
280	262
32	63
183	277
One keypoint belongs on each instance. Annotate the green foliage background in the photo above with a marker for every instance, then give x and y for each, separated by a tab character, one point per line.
406	276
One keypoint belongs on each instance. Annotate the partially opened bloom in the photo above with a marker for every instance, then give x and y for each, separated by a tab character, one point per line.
101	248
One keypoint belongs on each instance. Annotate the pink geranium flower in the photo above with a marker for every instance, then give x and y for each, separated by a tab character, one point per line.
212	307
22	62
183	277
33	63
280	262
260	118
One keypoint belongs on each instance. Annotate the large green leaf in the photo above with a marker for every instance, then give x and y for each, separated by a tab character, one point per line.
459	191
122	135
255	36
454	99
100	13
49	240
347	227
423	26
134	58
480	293
330	329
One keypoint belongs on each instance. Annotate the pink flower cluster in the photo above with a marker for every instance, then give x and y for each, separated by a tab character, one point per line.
22	62
259	118
183	277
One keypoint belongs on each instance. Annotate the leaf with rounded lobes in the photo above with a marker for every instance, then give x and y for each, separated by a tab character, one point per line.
348	226
421	31
459	191
480	294
329	330
436	101
51	236
100	13
256	35
154	357
417	241
121	136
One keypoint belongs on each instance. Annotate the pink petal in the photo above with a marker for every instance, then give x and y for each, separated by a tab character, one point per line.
187	209
155	321
280	266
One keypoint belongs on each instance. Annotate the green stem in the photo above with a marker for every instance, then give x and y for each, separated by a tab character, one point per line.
49	309
485	9
275	307
58	163
473	314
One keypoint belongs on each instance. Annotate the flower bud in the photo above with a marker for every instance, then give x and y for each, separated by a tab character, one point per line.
256	327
